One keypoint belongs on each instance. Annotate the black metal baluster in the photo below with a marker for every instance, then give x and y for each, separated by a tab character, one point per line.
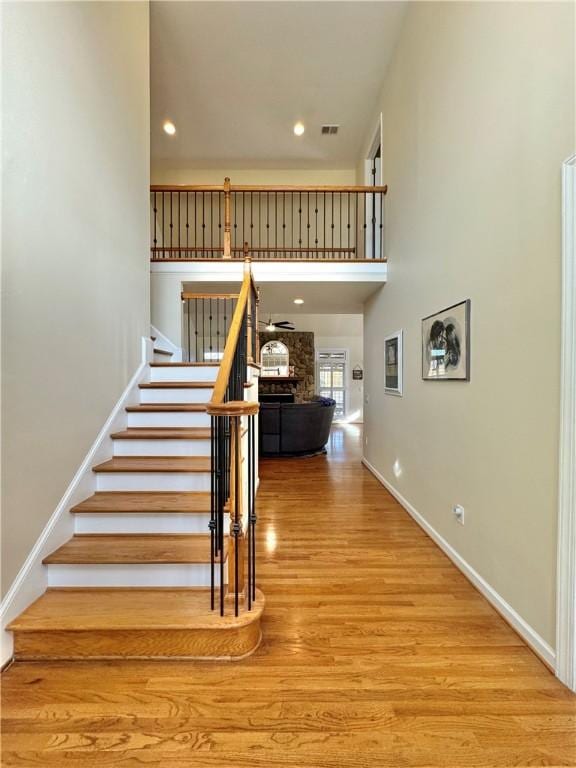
252	521
210	331
213	503
324	235
196	329
189	330
212	225
348	222
171	221
223	499
382	226
308	222
251	219
203	225
332	202
300	219
267	219
235	228
340	243
219	243
187	224
155	238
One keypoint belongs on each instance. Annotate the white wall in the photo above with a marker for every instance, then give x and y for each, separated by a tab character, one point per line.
338	332
75	242
478	109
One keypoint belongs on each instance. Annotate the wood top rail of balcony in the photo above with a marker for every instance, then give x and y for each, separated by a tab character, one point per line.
266	188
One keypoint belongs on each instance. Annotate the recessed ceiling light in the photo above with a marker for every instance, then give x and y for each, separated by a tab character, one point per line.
299	129
298	301
169	128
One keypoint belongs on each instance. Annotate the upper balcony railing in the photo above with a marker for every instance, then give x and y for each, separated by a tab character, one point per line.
330	223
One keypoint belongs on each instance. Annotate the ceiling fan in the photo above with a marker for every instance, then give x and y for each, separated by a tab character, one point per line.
281	325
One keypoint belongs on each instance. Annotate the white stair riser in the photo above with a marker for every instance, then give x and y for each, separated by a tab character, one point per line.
153	481
145	522
161	358
184	373
175	395
137	575
168	419
161	447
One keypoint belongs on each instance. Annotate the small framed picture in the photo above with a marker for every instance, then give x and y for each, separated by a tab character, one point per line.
393	363
446	344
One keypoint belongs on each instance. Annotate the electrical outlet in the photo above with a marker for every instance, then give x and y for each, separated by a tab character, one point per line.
459	513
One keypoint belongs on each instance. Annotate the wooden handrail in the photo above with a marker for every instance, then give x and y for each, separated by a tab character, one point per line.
265	188
186	295
219	391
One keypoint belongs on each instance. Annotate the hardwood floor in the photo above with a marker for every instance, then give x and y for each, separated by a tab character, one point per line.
377	652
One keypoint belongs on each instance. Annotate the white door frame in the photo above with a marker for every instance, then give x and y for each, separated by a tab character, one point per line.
566	567
373	146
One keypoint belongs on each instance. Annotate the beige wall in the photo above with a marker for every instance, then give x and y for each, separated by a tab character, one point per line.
75	243
478	108
267	176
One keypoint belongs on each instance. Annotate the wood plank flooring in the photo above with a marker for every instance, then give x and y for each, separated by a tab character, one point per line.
377	652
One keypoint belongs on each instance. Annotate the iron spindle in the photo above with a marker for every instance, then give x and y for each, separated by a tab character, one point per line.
213	496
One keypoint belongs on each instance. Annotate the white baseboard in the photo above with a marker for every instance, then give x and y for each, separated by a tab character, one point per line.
165	343
32	578
528	634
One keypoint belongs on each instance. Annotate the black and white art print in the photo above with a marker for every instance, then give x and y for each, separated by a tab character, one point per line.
446	344
393	363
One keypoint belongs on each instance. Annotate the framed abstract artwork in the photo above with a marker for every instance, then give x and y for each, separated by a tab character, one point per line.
446	344
393	363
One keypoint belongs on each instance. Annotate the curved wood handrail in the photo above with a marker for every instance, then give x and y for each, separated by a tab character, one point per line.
219	391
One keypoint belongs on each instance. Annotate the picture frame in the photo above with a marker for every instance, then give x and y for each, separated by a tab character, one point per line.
446	344
393	363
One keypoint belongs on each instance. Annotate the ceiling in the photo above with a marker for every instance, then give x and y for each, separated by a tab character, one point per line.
320	298
234	77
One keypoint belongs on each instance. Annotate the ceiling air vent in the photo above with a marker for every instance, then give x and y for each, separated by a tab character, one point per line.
330	130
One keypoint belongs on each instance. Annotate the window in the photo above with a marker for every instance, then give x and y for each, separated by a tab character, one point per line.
274	358
332	378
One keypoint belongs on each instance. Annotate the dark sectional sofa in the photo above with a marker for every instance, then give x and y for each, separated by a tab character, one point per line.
295	429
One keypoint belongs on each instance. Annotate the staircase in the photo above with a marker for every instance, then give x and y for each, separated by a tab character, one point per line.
138	578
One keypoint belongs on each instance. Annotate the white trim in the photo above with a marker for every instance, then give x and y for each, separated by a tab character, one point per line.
32	578
528	633
165	343
566	568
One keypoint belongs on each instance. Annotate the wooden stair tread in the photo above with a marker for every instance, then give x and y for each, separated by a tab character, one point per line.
155	464
128	548
157	502
110	609
177	385
167	407
162	352
163	433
